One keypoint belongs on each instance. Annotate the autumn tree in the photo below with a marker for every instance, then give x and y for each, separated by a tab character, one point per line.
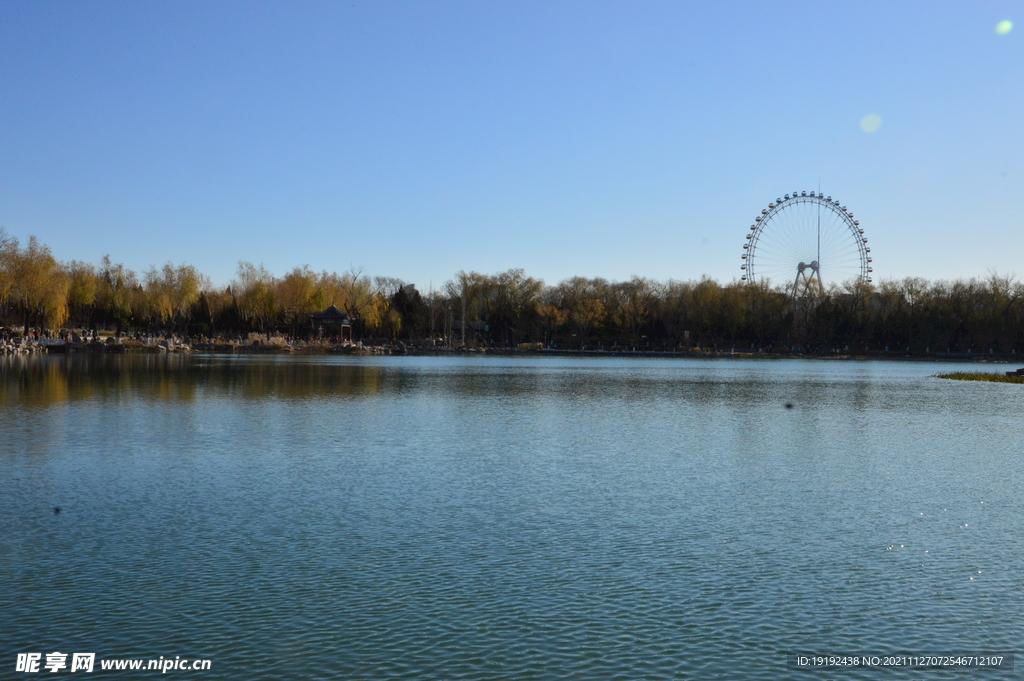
38	285
582	303
83	287
357	295
8	253
635	301
172	291
117	291
299	295
254	294
517	303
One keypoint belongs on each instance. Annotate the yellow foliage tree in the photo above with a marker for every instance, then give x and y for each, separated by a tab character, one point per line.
83	287
39	286
172	291
254	292
117	291
300	294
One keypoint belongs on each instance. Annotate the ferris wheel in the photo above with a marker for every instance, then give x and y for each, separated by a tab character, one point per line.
807	241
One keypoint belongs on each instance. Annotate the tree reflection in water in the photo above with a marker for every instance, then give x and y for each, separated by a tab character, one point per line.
41	381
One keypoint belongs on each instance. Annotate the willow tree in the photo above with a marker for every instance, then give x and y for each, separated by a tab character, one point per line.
172	291
83	287
356	294
117	291
299	295
8	251
254	293
39	286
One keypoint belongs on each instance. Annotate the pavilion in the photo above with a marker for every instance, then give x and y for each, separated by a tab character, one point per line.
333	322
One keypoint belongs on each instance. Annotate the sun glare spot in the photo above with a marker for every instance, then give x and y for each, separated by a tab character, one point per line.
1004	27
870	123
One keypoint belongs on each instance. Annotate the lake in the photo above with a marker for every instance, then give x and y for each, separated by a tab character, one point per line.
507	518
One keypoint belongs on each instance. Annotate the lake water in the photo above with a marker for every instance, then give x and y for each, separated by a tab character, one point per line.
506	518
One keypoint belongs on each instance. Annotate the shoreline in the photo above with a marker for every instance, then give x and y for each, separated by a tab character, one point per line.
400	349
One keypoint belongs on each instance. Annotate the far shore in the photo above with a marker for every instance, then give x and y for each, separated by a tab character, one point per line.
398	348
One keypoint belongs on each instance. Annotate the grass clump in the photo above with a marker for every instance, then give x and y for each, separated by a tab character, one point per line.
977	376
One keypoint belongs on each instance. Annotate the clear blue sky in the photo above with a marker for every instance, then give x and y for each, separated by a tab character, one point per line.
418	139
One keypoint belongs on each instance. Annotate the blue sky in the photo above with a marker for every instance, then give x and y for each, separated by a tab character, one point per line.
419	139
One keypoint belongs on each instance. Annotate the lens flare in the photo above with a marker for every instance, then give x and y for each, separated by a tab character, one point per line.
1004	27
870	123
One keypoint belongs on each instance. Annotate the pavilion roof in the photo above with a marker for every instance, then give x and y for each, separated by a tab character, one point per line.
331	315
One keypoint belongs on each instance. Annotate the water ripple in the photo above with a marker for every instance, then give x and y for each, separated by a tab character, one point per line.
315	518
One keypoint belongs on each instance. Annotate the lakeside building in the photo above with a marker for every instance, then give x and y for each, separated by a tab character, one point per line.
332	322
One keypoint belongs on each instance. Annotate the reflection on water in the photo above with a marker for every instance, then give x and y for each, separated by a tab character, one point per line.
486	518
43	380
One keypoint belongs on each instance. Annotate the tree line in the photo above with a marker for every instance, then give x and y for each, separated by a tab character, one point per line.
510	308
